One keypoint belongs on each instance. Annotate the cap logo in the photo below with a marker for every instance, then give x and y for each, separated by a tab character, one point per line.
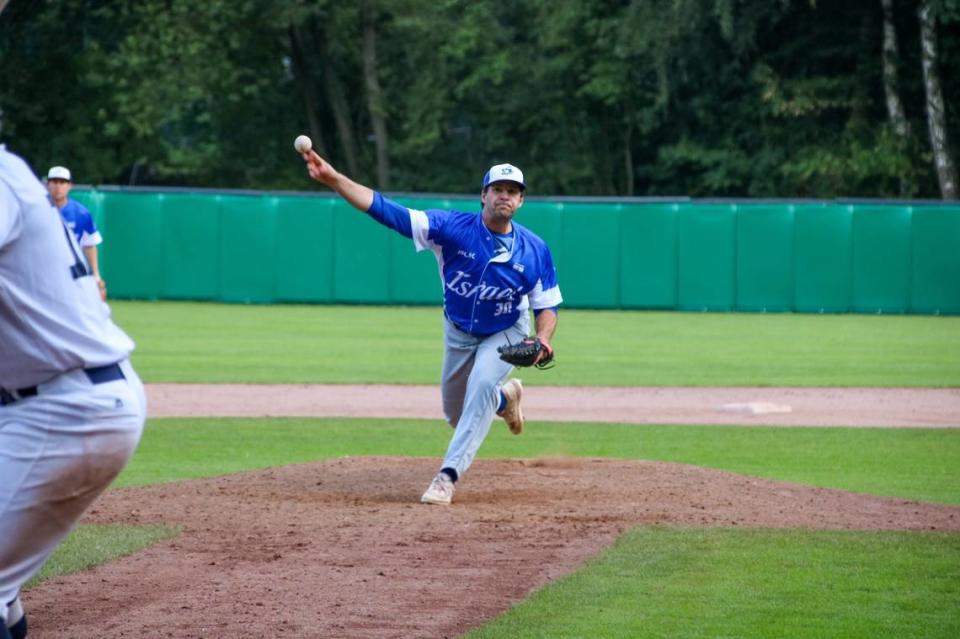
504	172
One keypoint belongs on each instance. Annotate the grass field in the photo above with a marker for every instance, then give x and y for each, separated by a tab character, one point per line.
192	342
715	582
94	544
655	582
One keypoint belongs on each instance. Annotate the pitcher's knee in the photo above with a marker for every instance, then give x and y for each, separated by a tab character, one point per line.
452	416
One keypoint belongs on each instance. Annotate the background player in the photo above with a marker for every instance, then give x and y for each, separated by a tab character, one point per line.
71	406
78	219
493	272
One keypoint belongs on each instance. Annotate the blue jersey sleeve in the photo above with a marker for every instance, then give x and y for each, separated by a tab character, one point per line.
548	272
86	223
391	214
546	293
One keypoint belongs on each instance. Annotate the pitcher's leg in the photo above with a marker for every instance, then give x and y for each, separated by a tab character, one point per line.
458	359
479	406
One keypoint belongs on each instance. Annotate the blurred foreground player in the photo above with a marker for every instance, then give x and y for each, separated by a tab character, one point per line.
71	407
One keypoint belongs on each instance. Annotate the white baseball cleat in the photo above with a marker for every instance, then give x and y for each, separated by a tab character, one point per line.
511	413
440	491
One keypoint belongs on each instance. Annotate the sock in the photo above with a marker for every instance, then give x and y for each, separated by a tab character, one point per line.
17	620
503	402
451	473
19	629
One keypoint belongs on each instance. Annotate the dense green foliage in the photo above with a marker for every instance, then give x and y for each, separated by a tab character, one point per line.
762	98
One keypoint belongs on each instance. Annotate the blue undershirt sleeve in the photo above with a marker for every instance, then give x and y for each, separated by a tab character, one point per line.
555	309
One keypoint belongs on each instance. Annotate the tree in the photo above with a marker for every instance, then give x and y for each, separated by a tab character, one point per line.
308	84
891	58
936	114
740	98
375	99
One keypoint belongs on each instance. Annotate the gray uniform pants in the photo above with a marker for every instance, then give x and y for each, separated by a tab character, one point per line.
472	376
58	451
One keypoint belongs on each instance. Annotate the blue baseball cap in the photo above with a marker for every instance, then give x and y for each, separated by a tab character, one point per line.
503	173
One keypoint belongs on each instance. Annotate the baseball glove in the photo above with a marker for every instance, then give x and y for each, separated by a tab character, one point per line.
526	352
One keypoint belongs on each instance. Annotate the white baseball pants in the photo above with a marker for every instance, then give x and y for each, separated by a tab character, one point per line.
470	387
59	450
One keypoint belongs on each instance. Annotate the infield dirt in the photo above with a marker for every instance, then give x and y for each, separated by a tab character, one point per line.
899	407
342	548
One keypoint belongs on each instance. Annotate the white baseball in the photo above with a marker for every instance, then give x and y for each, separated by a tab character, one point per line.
302	144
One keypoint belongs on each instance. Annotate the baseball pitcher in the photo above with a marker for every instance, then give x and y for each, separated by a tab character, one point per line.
493	271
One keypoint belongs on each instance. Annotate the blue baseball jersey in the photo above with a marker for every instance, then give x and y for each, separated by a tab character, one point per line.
488	280
80	222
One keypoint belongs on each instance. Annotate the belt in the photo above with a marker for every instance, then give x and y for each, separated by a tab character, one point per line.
468	332
96	375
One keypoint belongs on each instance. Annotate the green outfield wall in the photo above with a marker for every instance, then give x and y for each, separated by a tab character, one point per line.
756	256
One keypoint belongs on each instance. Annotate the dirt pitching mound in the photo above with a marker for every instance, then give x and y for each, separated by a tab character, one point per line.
343	548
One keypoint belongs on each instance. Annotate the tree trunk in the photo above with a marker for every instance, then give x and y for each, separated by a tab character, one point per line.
891	57
375	95
337	99
628	161
936	120
341	114
311	102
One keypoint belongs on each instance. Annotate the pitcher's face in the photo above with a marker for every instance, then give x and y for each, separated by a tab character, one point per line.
501	201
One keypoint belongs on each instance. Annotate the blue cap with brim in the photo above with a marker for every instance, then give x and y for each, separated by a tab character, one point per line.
503	173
